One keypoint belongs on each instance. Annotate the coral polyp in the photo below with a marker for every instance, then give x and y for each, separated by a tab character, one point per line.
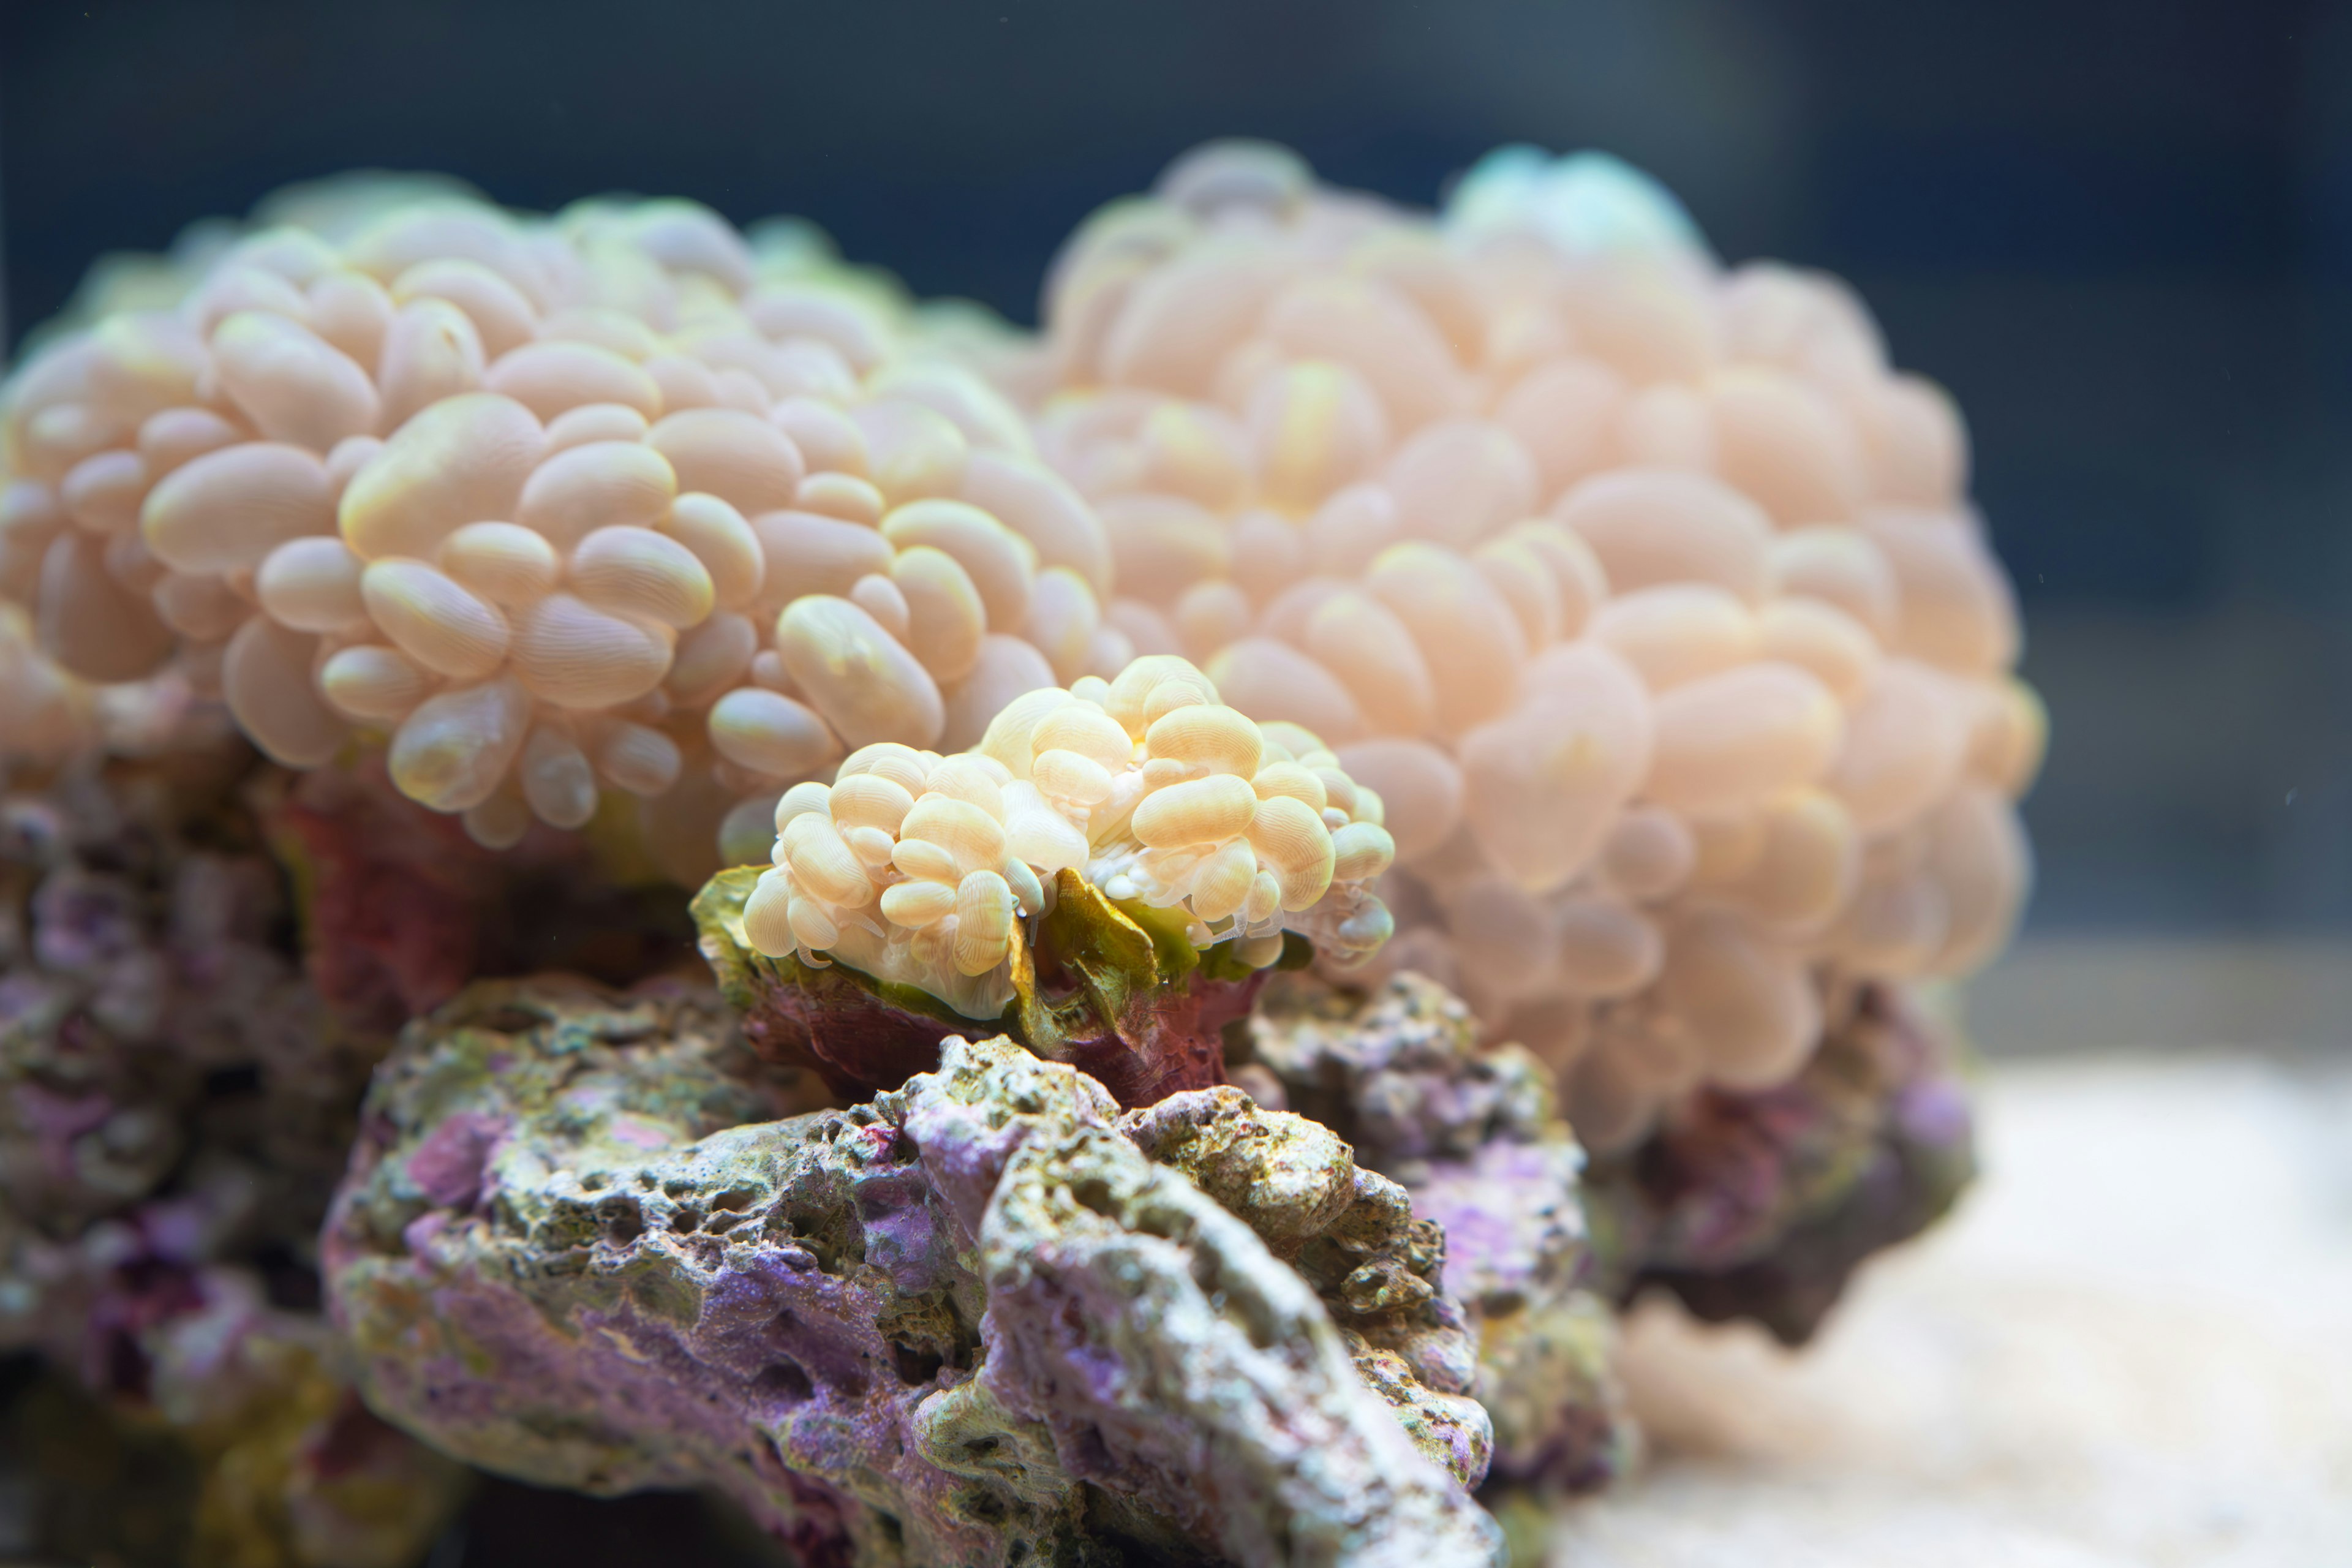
1110	876
915	869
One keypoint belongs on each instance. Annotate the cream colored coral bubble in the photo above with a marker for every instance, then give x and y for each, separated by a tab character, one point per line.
430	351
433	619
740	457
502	562
557	782
632	570
1197	811
1464	629
462	461
1745	1002
293	386
1208	736
1734	739
603	484
451	753
313	585
1676	632
856	674
1543	784
373	682
769	733
635	758
102	493
230	507
548	378
1650	526
266	679
945	615
574	655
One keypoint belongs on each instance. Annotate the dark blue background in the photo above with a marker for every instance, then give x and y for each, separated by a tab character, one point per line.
2121	232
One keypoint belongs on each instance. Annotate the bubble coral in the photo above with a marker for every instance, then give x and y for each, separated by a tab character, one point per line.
552	506
1642	591
1616	618
1109	872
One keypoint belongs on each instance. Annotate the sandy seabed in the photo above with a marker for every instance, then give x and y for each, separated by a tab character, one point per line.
2132	1345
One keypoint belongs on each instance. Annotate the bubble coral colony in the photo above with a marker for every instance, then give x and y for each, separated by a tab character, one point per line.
1380	784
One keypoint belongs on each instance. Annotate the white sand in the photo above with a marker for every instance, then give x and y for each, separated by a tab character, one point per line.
2133	1345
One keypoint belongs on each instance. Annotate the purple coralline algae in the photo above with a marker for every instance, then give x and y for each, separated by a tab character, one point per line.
1761	1205
1472	1134
983	1318
176	1105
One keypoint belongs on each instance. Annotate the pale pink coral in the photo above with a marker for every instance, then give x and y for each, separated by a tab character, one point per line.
1642	590
528	500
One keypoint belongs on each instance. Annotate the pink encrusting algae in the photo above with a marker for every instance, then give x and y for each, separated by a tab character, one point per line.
1642	591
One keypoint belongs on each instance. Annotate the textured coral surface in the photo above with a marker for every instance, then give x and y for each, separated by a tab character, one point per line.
969	1322
1472	1135
1643	590
615	502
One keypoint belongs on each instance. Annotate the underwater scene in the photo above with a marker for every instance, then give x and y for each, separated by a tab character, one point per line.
1351	898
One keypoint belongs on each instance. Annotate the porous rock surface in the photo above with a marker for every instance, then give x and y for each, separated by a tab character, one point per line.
1762	1205
176	1103
969	1322
1472	1134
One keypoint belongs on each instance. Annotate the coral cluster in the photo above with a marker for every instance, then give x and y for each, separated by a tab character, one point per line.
971	1321
1069	1167
1643	591
551	506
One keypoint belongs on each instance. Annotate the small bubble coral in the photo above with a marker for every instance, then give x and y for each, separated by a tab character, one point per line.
1154	840
1643	590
